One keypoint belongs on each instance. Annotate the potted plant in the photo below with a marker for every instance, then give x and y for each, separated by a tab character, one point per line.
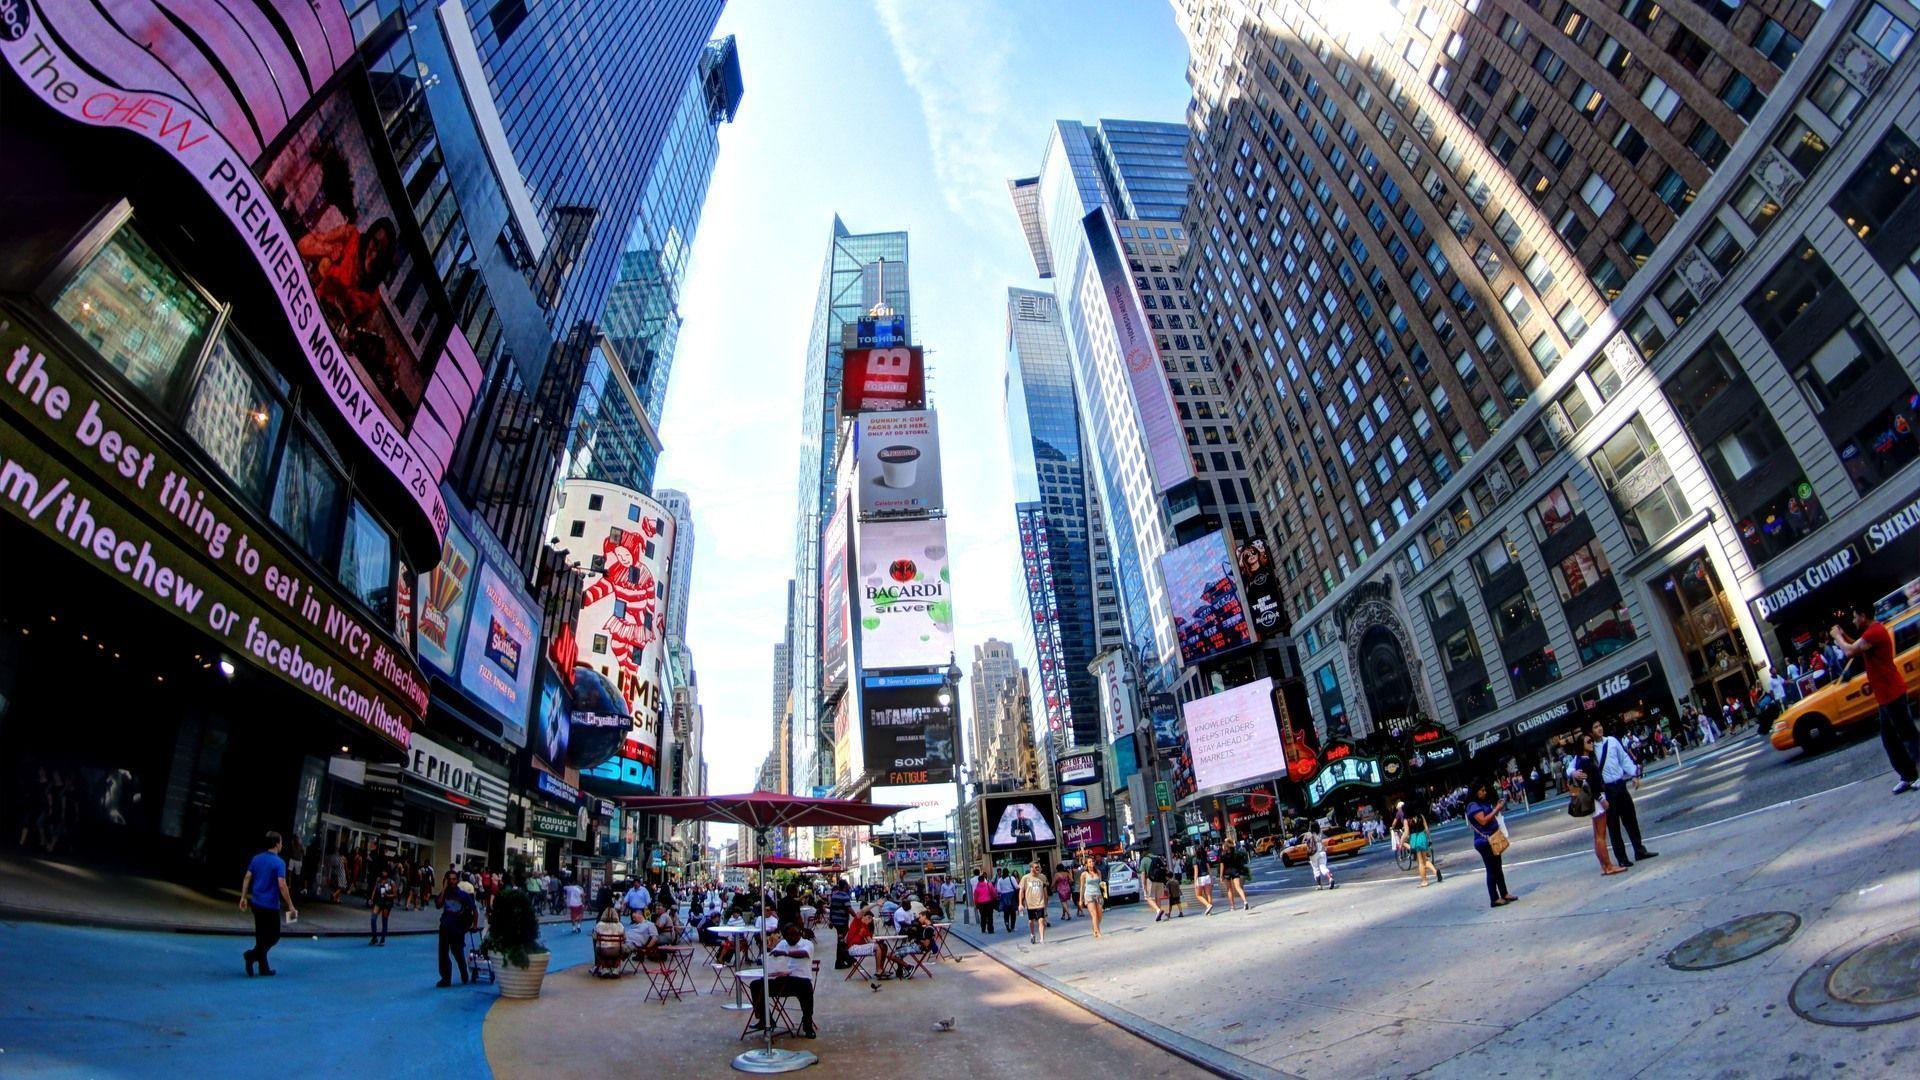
513	937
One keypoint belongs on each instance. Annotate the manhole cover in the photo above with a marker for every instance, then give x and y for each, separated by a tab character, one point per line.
1731	942
1858	986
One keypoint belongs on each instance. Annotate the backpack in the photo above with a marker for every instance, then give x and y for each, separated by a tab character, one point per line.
1157	873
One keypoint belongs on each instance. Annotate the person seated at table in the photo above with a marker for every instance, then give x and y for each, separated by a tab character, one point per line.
789	968
609	944
643	939
667	921
860	940
788	909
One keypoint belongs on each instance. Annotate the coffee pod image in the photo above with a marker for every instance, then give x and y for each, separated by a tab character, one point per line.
899	465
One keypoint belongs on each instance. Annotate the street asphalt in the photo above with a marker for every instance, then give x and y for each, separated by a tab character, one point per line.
1382	978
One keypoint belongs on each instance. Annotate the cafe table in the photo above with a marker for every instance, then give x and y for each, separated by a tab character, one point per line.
745	935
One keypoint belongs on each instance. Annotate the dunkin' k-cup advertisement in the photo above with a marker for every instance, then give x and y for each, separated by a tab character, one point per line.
899	462
906	609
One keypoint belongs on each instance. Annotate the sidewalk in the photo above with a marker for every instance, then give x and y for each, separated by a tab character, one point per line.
57	891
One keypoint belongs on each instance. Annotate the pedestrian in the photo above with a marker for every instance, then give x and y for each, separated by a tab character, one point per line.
1233	867
1093	893
1586	797
1490	840
1176	869
1063	889
1618	769
1413	833
985	901
1033	897
381	896
1317	856
1155	872
265	892
1874	646
459	913
1006	887
636	898
839	914
1203	880
575	898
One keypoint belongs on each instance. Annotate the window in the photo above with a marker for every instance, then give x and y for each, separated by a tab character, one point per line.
1587	100
1332	707
137	313
1802	145
1778	46
1631	144
1459	652
1641	13
366	560
1879	192
1608	631
1886	33
1755	206
1549	64
1495	558
1597	193
1834	95
1740	95
1555	511
1514	613
1545	353
1571	323
1845	377
1441	601
1604	376
1673	190
234	418
1660	99
1658	504
1707	145
1539	272
1573	408
1580	571
1607	276
1646	332
1542	441
1515	301
1786	294
1720	247
1570	227
1636	242
309	496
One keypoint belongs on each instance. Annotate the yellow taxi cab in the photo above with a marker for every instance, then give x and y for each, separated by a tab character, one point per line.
1813	722
1339	842
1264	845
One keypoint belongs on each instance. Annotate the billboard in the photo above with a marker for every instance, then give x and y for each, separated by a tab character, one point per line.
444	598
1166	442
908	734
1209	616
1118	706
1077	768
833	597
1233	737
623	610
502	651
373	282
906	611
1019	820
930	806
1043	605
899	455
883	380
241	102
552	722
849	756
1263	588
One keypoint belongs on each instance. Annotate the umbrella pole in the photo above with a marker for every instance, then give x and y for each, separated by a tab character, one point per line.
767	1059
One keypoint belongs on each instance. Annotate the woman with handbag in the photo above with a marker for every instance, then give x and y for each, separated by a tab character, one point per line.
1490	840
1413	833
1093	892
1586	799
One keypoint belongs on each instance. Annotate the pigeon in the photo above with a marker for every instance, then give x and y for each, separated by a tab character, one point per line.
943	1025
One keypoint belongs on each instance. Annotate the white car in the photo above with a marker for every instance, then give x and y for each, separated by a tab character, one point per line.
1122	883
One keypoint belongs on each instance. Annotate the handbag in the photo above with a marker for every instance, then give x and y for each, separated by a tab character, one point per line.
1580	800
1498	843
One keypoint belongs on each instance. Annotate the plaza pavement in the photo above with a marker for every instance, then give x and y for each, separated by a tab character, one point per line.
1381	978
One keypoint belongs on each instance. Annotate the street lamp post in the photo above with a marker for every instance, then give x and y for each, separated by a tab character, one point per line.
949	695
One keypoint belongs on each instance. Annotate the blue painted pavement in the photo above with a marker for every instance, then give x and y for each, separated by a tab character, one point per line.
82	1002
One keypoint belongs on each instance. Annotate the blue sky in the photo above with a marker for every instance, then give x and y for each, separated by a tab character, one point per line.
897	115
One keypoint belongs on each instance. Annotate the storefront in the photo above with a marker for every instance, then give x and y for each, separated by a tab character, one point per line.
1631	696
1880	565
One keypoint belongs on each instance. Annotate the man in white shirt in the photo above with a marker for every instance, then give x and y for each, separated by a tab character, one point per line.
637	898
1617	770
789	968
576	901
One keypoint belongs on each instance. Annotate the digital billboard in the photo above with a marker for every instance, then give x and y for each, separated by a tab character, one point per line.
833	596
552	722
1043	605
883	380
899	456
444	598
1019	820
502	651
1209	616
1166	442
1262	586
623	610
373	281
849	755
906	611
907	732
1117	702
1233	737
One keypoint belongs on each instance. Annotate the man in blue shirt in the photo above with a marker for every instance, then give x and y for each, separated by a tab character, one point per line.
264	892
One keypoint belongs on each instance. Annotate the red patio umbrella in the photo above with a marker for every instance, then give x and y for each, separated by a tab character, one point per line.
764	811
773	862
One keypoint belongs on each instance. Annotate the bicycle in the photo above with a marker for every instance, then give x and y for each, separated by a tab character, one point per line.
1402	855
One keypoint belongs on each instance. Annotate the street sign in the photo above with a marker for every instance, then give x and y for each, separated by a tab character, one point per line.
1163	794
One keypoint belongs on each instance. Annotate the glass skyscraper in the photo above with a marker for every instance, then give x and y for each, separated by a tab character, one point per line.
862	271
1144	164
1043	424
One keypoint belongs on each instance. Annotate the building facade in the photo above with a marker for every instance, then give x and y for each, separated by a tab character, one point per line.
862	271
1571	355
680	590
994	671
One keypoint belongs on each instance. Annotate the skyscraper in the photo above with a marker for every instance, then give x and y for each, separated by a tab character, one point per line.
995	672
862	271
1148	434
681	507
1050	473
1555	344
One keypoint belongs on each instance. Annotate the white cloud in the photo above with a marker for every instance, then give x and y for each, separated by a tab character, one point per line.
957	60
